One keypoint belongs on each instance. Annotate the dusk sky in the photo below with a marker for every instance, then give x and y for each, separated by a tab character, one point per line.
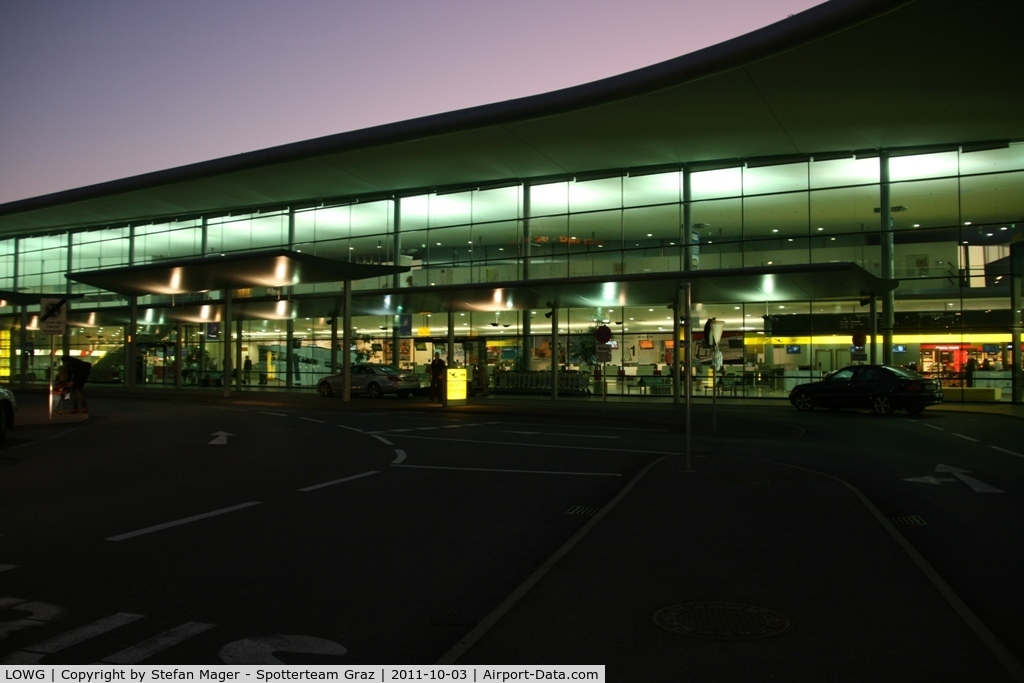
97	90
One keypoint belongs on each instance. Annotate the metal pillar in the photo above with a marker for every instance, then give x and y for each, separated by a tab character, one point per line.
226	327
554	353
131	343
346	344
888	258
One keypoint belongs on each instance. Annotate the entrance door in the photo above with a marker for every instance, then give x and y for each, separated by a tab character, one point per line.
823	359
842	358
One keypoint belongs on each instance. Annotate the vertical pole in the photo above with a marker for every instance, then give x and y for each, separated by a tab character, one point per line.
873	329
289	354
238	354
334	339
677	345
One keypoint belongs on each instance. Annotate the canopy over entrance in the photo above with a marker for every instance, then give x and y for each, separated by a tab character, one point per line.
272	268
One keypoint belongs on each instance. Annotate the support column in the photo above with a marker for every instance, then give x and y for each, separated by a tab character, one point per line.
396	246
289	355
131	353
334	339
226	327
346	345
527	327
178	350
238	355
678	346
554	352
687	383
451	355
888	258
873	329
687	263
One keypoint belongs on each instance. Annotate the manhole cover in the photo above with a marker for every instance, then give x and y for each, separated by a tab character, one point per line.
721	621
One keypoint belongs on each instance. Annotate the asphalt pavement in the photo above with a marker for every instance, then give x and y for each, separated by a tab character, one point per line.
710	566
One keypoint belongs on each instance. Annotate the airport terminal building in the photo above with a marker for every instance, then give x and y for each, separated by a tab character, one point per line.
845	185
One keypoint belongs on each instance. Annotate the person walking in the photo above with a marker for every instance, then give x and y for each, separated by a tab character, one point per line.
437	368
78	373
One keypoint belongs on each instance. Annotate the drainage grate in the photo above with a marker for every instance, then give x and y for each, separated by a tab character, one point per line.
909	520
582	510
721	621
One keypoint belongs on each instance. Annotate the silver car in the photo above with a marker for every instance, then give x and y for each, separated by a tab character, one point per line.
373	380
8	407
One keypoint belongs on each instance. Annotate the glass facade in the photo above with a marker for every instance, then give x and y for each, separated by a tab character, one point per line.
954	216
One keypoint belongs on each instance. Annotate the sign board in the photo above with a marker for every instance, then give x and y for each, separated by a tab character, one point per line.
604	353
603	334
53	315
456	384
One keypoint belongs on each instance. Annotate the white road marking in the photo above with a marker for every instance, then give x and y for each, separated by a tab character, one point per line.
940	429
5	567
264	412
354	429
519	444
339	481
179	522
1003	450
221	440
158	643
966	438
488	469
958	474
575	436
382	440
34	653
399	456
262	650
310	419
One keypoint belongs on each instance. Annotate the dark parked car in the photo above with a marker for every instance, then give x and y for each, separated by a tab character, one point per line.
882	388
372	380
8	408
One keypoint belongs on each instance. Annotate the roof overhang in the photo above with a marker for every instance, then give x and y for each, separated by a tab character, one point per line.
271	268
842	77
769	284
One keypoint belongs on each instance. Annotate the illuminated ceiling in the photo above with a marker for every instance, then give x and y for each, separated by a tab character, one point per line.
843	77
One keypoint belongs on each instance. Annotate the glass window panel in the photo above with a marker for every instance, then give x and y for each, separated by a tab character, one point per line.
1009	158
720	255
784	215
863	249
844	172
928	254
661	188
451	209
500	204
589	233
100	249
928	204
653	223
547	251
726	182
415	212
992	198
773	252
846	209
718	221
781	178
549	199
595	195
495	250
372	218
919	166
7	264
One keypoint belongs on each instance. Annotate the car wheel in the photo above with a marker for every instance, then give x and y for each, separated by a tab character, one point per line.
881	404
324	389
374	390
803	401
915	410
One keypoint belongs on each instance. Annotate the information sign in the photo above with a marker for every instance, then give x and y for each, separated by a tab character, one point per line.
53	315
603	334
604	353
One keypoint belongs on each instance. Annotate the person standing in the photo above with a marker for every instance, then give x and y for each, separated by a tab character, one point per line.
247	367
437	369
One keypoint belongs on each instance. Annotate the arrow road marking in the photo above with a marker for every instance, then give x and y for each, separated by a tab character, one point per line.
221	440
958	475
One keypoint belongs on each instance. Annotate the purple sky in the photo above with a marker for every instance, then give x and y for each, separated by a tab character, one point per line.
104	89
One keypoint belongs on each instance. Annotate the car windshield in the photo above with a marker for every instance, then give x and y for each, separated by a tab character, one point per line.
386	370
903	373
